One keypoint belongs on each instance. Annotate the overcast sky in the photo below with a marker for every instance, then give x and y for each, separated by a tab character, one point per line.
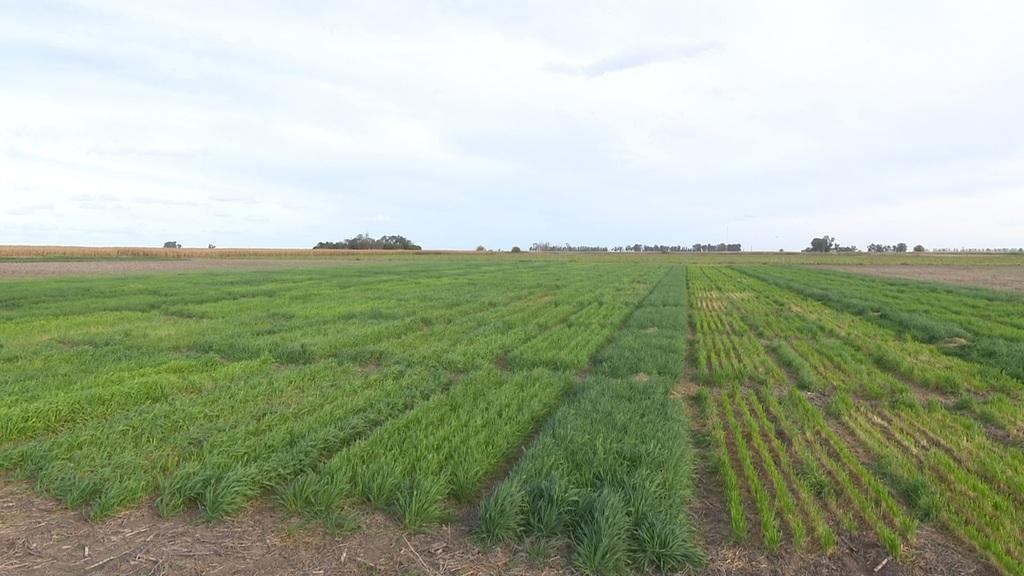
261	123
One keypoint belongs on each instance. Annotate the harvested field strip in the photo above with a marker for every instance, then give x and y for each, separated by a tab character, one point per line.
1002	278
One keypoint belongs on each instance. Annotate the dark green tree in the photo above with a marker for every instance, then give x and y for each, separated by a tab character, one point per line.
824	244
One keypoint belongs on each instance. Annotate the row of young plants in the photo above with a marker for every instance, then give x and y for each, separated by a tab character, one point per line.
990	310
975	324
612	470
790	473
872	362
444	449
219	424
54	349
951	474
938	456
725	350
161	353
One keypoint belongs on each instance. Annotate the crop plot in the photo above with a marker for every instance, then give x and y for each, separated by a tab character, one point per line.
783	486
939	429
211	391
613	468
538	403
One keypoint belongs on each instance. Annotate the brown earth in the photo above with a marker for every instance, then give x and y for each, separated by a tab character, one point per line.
38	537
1007	278
128	266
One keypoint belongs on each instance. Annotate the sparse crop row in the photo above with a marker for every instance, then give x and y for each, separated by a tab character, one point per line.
967	491
975	324
724	466
726	352
942	464
829	349
771	532
804	489
783	498
792	473
613	468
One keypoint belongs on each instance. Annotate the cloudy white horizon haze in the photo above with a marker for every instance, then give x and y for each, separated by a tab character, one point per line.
282	124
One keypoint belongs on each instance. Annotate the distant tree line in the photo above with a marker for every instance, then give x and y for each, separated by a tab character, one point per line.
829	244
367	242
176	244
722	247
548	247
980	250
899	248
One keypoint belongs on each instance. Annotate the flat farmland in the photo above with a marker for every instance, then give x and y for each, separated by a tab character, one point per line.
516	414
1008	278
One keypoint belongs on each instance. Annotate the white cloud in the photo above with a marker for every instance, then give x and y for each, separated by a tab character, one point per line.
283	124
633	59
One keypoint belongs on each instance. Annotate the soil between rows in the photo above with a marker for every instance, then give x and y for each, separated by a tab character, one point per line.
38	537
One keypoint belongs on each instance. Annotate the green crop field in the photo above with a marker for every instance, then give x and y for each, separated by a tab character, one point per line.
590	403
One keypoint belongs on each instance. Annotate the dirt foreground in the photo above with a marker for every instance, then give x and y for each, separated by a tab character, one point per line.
38	537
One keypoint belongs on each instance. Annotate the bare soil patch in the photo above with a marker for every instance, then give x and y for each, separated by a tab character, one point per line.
39	537
124	267
1006	278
